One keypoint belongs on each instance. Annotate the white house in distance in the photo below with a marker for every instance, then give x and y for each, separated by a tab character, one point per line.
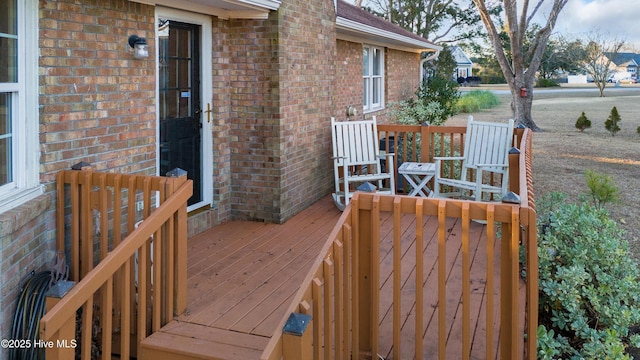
464	64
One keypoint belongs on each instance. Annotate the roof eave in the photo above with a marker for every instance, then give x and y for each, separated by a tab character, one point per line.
225	9
354	31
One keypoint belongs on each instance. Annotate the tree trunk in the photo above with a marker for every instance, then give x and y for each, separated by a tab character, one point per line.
521	107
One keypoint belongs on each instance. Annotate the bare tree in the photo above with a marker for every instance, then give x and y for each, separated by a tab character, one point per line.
600	51
520	72
440	21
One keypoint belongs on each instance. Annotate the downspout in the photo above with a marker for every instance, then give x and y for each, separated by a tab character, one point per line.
423	61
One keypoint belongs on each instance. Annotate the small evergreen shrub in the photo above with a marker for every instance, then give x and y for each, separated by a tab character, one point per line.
583	122
638	130
602	189
611	124
589	284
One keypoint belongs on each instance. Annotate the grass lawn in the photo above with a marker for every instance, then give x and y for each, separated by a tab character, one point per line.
561	153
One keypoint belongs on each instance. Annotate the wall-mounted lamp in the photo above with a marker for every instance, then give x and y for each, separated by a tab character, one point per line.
140	47
351	111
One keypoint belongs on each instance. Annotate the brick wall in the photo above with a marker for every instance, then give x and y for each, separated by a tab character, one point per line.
280	81
307	47
348	89
253	124
26	242
97	102
402	71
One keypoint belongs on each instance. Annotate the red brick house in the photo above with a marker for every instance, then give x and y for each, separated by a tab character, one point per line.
237	92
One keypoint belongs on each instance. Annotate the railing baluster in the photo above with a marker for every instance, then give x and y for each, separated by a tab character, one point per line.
490	284
75	226
375	276
316	322
106	318
339	298
442	279
348	283
87	329
397	275
419	278
466	283
328	268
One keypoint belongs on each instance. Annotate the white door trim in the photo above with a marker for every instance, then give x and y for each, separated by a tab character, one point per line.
206	91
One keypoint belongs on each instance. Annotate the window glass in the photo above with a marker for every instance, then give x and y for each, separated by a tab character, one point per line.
8	23
365	61
8	42
376	90
376	62
365	92
5	139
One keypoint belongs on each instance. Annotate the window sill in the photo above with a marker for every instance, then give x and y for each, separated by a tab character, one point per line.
22	208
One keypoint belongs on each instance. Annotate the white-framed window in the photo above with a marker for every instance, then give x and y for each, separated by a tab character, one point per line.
19	148
372	78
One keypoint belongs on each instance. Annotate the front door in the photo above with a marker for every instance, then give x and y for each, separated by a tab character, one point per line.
181	102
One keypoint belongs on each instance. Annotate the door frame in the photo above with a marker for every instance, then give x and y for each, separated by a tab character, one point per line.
206	95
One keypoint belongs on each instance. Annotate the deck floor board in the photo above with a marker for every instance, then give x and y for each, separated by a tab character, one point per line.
242	276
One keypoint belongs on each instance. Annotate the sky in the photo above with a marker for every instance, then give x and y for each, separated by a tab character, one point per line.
612	18
616	19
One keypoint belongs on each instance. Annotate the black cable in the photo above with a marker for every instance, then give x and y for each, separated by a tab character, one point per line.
26	322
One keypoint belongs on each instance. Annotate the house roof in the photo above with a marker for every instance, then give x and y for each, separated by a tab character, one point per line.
356	24
460	57
624	59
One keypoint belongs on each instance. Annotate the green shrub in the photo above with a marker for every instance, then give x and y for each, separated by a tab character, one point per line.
602	189
468	104
413	112
546	83
638	130
589	284
583	122
611	124
476	100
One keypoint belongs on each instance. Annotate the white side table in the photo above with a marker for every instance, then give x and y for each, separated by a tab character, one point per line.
418	174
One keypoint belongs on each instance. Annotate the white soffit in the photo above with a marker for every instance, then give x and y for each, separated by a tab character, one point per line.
225	9
350	30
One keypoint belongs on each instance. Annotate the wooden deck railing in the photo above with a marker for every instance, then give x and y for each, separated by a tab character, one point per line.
127	256
341	294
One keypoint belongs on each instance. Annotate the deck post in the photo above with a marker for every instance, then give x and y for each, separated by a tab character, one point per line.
363	286
425	139
296	341
64	342
514	170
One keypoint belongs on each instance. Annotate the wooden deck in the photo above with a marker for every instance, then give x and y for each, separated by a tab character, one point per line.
243	275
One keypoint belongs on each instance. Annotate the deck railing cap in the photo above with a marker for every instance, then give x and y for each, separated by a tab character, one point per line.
296	324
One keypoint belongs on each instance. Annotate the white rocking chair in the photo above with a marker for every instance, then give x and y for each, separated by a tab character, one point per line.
356	159
486	149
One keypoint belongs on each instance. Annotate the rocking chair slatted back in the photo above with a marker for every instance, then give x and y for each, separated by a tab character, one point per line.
357	159
486	156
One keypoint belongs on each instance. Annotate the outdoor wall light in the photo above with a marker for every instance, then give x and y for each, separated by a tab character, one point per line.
140	47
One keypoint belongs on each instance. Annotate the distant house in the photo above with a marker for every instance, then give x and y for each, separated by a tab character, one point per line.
625	62
463	63
239	93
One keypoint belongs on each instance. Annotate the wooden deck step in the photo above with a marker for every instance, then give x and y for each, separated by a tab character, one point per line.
185	341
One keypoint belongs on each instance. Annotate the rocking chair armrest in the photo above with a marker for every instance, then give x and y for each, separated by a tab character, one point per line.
386	155
338	157
482	167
